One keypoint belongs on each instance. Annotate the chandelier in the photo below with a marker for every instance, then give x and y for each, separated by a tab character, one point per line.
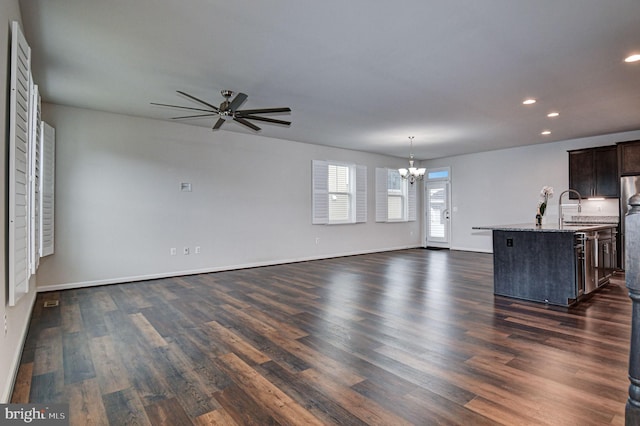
412	174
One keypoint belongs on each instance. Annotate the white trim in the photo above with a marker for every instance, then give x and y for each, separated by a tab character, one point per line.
122	280
475	250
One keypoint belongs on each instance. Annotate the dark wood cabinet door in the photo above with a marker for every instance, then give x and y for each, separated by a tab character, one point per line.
593	172
629	158
605	163
581	172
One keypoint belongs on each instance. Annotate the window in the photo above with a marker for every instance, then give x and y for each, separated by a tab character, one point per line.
339	193
395	197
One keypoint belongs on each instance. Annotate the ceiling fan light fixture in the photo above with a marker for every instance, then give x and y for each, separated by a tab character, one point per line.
228	111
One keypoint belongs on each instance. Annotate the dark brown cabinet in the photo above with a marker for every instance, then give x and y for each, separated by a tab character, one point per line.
629	158
593	172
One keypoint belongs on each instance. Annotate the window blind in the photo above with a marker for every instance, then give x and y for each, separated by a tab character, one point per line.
35	144
361	194
382	180
320	200
47	187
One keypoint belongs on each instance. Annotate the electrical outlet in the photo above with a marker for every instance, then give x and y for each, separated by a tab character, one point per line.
197	250
509	242
185	251
317	240
6	325
173	251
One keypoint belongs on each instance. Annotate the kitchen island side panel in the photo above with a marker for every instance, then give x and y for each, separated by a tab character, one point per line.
536	266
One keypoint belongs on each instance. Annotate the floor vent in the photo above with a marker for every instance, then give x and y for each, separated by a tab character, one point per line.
51	303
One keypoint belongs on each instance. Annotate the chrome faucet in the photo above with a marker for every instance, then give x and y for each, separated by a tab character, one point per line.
560	214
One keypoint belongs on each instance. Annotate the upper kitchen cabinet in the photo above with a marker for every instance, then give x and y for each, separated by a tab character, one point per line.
593	172
629	158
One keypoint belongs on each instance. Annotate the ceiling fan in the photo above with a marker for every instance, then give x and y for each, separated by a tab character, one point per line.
228	110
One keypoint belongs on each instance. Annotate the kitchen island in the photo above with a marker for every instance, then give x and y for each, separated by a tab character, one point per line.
548	263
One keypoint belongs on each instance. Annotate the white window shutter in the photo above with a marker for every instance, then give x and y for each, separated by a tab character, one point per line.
320	201
18	165
382	178
412	204
34	191
361	194
47	187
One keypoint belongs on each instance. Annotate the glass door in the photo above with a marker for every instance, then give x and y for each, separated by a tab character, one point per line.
438	217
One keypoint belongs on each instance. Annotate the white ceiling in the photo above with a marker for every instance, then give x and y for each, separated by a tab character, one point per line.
358	74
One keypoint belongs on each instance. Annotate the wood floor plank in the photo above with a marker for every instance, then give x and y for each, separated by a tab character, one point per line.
404	337
22	386
48	351
365	409
167	412
71	318
243	409
218	417
148	331
235	343
123	407
278	404
85	404
109	367
76	357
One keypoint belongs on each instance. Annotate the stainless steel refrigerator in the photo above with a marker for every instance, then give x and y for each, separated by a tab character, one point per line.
629	186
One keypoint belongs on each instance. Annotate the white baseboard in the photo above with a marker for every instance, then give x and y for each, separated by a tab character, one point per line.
169	274
475	249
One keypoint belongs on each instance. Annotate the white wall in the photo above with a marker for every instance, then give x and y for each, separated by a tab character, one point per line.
17	317
503	187
119	208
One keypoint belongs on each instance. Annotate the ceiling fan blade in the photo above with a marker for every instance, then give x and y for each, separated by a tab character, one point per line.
268	120
246	123
180	106
263	110
237	101
195	116
219	123
215	108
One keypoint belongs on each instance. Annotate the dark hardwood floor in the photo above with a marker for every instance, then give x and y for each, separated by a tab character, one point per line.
405	337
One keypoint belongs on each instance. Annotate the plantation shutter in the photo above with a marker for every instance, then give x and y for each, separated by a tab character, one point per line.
34	192
382	177
47	186
412	205
320	201
361	194
18	165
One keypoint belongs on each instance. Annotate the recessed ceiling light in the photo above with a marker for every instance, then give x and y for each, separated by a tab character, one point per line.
529	101
553	114
633	58
545	132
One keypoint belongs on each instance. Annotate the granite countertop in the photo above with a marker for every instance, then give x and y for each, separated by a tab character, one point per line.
547	227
